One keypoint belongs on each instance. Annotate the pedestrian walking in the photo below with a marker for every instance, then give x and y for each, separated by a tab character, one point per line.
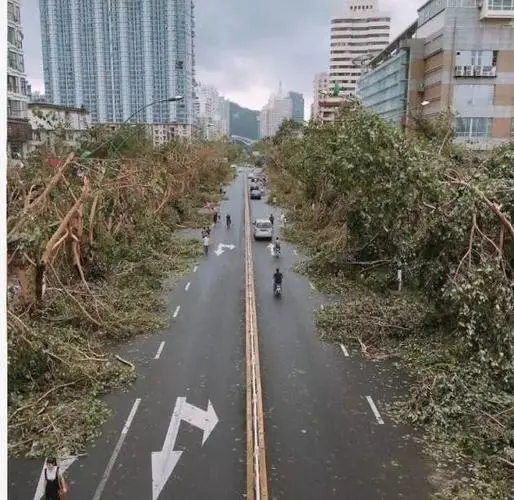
206	242
55	484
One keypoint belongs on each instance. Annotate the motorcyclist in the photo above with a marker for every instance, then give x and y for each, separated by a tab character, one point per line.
277	279
228	220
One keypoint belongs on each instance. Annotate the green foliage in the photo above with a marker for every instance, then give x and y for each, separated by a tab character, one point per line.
368	199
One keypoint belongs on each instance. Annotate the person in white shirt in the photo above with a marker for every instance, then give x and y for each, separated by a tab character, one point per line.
55	485
206	242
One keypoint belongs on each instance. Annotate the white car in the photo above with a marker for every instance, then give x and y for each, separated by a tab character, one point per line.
262	229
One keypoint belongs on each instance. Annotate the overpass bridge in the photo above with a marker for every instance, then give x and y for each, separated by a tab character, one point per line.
242	140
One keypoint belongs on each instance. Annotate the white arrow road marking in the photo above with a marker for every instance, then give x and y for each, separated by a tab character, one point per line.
345	350
188	284
116	452
295	252
63	465
164	461
221	247
195	268
312	286
270	248
374	409
177	309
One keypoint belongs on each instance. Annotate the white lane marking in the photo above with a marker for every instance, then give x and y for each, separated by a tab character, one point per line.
115	453
188	284
295	252
345	350
159	351
374	409
195	268
322	307
175	314
312	286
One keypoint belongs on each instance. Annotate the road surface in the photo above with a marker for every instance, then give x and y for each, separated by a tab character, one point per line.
325	434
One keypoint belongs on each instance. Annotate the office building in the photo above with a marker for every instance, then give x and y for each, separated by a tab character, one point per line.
18	127
360	32
280	107
458	56
116	57
298	106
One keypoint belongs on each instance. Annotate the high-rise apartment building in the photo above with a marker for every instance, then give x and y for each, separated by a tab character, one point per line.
18	127
115	57
457	56
360	32
213	113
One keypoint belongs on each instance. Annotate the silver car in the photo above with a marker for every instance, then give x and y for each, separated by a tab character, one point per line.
262	229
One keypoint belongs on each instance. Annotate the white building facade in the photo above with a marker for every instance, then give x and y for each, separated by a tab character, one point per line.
213	113
360	32
321	89
115	57
280	107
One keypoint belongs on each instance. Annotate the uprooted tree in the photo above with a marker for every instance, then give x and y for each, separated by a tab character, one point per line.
369	200
88	244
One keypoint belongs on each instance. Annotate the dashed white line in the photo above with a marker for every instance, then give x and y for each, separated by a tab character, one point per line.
374	409
159	351
188	284
312	286
117	448
195	268
345	350
175	314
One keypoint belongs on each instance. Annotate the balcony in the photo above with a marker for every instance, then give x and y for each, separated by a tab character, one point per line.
497	9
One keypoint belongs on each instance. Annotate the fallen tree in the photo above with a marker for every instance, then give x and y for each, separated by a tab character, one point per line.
368	201
89	245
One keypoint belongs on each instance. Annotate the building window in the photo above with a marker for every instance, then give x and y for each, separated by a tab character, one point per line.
12	84
473	95
500	4
473	128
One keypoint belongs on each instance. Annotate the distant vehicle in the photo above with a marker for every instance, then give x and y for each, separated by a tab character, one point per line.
262	230
255	194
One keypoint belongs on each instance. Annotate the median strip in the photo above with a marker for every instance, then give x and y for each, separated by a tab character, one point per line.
257	483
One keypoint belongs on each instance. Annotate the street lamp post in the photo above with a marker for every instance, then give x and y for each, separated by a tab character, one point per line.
169	99
88	154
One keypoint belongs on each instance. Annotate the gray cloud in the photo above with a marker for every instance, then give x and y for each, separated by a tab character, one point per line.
244	45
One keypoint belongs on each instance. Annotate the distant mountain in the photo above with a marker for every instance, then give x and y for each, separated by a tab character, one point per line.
244	121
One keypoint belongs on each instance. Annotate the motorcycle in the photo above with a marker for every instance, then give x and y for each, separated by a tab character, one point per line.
278	290
276	252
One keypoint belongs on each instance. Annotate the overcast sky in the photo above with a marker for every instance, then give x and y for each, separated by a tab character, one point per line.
245	48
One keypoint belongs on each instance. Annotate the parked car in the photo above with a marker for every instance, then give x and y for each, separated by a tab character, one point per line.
262	229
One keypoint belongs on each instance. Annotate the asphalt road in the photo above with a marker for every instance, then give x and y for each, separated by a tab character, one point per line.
323	439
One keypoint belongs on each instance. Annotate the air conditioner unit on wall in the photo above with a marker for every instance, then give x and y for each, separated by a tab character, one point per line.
488	70
459	70
478	70
468	70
